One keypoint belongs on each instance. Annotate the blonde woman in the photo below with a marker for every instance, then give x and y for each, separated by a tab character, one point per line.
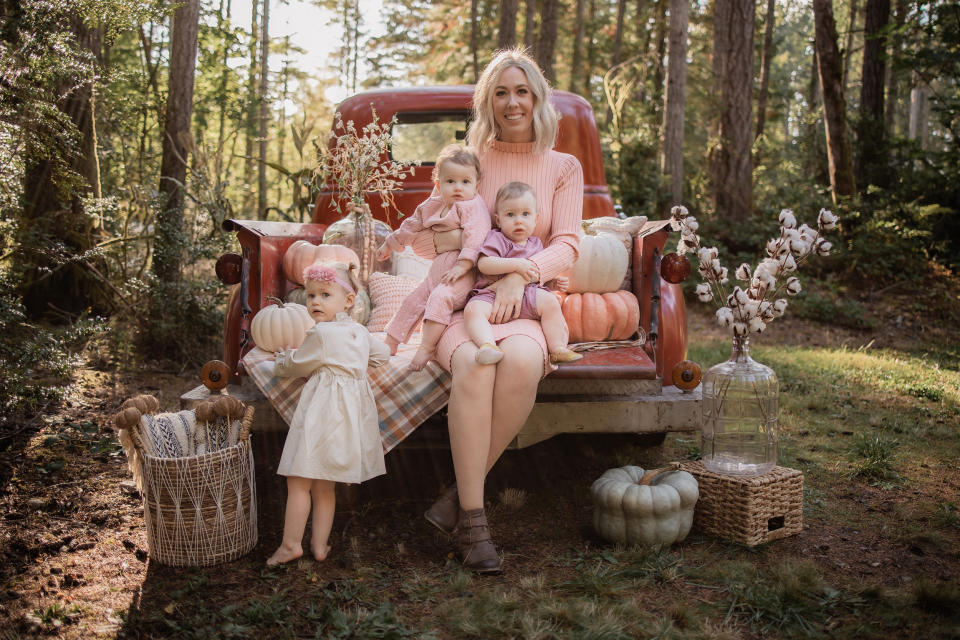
513	132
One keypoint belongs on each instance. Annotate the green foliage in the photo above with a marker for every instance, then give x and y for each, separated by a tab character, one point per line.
873	457
37	361
841	311
183	322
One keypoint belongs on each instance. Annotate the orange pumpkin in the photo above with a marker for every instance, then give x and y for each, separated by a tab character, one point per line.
600	316
302	254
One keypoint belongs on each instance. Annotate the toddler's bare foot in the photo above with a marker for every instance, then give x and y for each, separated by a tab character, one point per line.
564	355
421	358
284	554
489	353
320	554
393	344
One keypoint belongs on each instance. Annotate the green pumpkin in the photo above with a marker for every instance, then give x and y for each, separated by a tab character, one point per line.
653	508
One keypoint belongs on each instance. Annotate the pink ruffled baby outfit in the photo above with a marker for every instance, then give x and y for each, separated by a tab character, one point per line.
432	299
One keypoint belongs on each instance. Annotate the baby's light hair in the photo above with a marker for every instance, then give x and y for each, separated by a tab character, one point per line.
456	154
513	190
342	274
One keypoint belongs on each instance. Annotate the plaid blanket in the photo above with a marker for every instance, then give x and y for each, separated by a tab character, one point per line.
404	399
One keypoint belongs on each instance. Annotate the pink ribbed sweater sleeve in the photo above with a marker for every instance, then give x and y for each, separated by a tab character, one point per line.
563	242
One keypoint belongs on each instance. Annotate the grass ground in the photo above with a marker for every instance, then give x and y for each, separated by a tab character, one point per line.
872	420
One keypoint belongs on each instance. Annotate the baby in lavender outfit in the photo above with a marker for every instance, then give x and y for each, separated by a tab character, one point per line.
507	250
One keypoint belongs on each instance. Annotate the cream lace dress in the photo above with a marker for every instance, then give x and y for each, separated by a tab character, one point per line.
335	433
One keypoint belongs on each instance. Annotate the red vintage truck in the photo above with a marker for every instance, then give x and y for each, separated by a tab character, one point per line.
631	389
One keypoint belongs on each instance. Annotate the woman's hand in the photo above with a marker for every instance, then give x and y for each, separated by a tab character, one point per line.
444	241
509	298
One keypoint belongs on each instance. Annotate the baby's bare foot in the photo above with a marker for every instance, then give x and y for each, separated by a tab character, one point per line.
489	353
421	358
284	554
320	554
392	344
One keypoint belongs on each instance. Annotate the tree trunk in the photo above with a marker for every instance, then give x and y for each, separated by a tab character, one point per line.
848	48
507	31
830	70
262	115
576	68
661	39
591	50
530	24
671	159
919	111
548	37
222	97
765	70
870	128
249	168
893	76
168	247
474	64
733	71
618	34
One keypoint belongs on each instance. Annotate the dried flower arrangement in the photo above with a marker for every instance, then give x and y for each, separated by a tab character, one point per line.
751	307
354	163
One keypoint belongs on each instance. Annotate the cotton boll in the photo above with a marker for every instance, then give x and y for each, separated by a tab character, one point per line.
787	219
703	292
808	233
724	317
691	223
740	328
779	307
743	272
788	264
722	276
827	219
793	286
823	247
678	212
757	325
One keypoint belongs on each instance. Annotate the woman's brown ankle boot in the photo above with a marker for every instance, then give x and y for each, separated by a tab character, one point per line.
473	541
444	512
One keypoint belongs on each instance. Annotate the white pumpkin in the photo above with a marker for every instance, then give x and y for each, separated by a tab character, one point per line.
653	508
601	266
625	228
280	326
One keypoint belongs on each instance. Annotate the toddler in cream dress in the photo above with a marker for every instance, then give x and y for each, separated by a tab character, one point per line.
334	435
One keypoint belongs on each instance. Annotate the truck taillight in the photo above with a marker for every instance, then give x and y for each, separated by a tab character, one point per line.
229	268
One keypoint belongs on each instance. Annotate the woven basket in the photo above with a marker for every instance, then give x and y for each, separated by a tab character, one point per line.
750	510
200	510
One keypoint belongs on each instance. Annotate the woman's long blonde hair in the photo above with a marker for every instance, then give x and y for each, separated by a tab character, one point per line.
484	131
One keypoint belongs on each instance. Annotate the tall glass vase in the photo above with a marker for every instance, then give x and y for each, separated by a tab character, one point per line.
360	231
740	404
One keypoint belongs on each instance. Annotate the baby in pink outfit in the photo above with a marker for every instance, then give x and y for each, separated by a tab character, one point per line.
451	276
507	250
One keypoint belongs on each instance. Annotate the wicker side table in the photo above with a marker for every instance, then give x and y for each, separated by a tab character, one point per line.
750	510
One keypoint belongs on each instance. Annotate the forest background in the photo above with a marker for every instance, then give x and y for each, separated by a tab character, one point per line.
129	130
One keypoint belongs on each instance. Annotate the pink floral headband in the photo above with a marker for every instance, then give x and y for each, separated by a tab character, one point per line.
324	273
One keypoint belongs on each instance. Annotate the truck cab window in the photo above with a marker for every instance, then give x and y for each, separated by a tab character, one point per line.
419	137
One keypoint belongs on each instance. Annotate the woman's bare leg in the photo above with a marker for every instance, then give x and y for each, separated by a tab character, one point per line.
514	392
324	504
469	417
294	521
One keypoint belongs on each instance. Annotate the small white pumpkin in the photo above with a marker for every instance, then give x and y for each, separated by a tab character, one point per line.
633	507
601	265
625	228
281	326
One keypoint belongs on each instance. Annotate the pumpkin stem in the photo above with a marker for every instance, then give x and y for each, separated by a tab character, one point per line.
276	300
648	477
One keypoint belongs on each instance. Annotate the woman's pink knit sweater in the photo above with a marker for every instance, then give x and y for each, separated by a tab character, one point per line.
557	179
